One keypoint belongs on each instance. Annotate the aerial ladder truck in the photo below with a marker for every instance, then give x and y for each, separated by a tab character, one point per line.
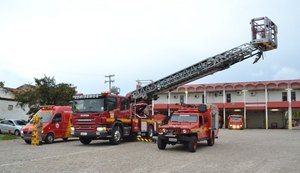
113	117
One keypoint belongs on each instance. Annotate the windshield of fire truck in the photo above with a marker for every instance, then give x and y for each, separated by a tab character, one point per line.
45	115
235	118
88	105
184	118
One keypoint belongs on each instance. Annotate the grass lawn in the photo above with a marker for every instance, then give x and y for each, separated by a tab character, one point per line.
8	137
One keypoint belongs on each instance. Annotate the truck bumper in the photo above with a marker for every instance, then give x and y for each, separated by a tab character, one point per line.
94	135
28	137
174	139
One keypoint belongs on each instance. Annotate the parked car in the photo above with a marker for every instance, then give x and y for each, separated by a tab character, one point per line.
12	126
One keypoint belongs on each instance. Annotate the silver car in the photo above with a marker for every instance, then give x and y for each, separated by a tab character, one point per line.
12	126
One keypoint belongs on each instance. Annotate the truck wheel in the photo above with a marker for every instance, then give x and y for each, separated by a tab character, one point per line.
211	141
85	141
49	138
116	136
161	144
65	139
27	141
150	132
193	144
17	133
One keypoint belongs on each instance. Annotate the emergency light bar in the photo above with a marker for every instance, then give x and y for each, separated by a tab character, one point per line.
47	107
87	96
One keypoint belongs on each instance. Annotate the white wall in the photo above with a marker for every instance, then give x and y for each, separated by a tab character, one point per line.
255	96
15	113
9	108
217	97
5	93
275	95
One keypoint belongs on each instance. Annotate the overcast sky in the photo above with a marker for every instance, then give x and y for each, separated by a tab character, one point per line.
79	42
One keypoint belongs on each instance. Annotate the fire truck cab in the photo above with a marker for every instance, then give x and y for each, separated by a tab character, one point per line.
101	116
190	125
236	122
107	116
56	124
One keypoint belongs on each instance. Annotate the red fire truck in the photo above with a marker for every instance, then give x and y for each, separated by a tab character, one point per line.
190	125
113	117
56	124
235	122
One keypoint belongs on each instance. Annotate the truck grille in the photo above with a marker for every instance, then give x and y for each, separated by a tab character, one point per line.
172	131
85	124
27	133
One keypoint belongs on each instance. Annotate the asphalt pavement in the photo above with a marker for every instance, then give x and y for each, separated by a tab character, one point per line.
235	151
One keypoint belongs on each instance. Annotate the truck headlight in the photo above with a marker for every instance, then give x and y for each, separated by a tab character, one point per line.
101	129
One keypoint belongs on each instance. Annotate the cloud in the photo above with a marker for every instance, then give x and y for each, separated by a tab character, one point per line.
257	74
287	73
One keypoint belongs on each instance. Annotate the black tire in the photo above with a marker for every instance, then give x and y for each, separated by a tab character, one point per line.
49	138
65	139
192	146
150	132
161	144
211	140
85	141
27	141
116	135
17	133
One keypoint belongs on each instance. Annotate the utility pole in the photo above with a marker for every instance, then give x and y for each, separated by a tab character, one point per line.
109	81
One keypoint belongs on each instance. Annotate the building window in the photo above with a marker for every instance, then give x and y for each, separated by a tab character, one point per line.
203	98
293	96
181	99
284	96
228	98
10	107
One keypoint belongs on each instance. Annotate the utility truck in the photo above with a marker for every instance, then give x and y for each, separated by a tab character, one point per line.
189	125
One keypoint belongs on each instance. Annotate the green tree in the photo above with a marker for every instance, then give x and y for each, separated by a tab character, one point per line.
1	84
45	92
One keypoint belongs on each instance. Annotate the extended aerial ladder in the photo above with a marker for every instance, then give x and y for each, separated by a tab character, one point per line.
264	38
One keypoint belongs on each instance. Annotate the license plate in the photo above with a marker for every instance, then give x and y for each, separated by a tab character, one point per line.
83	133
173	139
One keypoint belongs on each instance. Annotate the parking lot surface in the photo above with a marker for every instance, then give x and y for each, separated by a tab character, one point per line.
234	151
